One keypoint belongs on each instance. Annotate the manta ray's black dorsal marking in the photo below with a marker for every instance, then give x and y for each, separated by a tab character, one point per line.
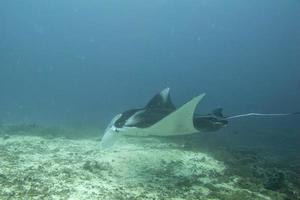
157	108
161	101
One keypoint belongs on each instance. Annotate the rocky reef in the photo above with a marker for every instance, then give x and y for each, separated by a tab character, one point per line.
45	165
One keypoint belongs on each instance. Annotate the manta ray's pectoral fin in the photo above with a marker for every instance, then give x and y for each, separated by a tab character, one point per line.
179	122
161	100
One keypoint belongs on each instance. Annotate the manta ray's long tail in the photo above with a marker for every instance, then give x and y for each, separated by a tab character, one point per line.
262	114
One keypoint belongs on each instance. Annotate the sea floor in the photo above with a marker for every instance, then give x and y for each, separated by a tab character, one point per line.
40	163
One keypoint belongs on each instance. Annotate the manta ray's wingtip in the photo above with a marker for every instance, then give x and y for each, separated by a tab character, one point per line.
165	91
200	96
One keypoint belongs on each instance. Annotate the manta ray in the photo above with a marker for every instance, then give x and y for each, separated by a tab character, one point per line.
160	117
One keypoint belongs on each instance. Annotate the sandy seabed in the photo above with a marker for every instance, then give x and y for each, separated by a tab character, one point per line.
38	167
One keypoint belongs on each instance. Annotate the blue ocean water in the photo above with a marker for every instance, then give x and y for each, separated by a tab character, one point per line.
85	61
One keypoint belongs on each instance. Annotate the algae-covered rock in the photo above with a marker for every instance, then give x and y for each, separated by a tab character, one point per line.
96	167
5	137
274	180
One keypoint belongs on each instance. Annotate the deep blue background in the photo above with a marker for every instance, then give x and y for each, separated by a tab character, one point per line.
84	61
